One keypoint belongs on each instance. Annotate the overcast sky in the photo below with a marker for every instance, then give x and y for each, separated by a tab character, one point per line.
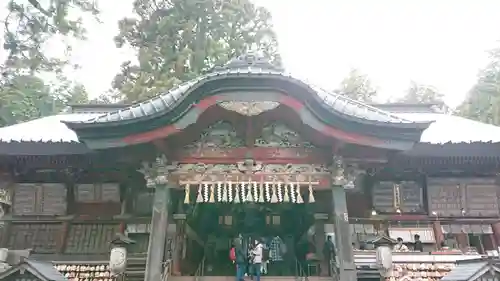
442	43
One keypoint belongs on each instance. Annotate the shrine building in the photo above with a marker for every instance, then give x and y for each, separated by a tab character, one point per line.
248	151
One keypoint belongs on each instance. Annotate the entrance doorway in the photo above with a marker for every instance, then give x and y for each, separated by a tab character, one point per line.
281	228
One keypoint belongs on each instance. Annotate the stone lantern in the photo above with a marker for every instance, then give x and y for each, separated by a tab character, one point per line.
118	254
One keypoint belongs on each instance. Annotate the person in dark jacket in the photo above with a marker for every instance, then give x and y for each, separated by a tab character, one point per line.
418	247
240	259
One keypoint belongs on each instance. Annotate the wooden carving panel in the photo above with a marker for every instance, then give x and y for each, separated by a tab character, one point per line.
97	193
445	196
411	197
90	238
53	199
481	197
383	196
407	195
39	199
24	199
143	202
276	143
41	237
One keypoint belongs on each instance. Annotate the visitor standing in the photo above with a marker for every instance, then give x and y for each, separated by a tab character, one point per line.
257	255
240	256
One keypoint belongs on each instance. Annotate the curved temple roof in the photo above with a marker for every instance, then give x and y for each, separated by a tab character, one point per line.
257	68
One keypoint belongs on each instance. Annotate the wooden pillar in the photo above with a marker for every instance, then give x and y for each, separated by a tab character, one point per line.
180	220
496	231
343	239
438	233
157	179
319	241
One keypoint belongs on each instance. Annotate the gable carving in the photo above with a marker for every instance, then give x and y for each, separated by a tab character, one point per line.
278	134
249	108
219	135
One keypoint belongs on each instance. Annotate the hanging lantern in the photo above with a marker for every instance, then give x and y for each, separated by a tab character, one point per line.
384	260
199	197
118	254
299	195
118	260
186	194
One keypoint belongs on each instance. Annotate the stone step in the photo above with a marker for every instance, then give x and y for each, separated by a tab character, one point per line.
263	278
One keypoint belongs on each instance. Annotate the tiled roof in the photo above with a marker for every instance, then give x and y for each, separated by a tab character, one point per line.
464	272
453	129
46	129
446	129
41	270
167	101
47	270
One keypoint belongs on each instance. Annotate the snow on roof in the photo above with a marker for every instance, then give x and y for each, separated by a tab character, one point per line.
454	129
445	129
46	129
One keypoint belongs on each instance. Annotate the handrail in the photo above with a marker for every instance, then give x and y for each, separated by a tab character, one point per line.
167	269
334	270
299	271
200	270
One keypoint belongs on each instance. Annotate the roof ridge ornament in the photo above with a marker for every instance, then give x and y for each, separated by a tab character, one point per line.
256	59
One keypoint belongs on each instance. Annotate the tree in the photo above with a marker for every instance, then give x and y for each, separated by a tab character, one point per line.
29	97
482	103
177	40
29	26
420	93
357	86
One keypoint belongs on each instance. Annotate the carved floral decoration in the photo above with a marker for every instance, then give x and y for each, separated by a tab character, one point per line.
249	108
219	135
250	182
280	135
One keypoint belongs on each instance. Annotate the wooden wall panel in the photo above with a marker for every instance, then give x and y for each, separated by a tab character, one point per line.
90	238
409	196
481	198
39	199
358	204
41	237
468	197
445	196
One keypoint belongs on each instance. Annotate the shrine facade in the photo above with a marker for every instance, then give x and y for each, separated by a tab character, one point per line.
248	151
